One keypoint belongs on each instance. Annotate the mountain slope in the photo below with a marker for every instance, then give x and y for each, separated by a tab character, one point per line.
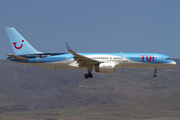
7	105
43	88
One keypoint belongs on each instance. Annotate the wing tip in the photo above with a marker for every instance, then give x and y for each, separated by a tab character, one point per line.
68	47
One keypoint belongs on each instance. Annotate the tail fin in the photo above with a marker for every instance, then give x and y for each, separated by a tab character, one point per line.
19	44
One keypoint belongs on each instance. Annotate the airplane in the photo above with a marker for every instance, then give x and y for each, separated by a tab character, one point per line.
100	62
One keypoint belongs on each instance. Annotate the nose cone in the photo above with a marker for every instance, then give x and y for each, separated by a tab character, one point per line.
173	63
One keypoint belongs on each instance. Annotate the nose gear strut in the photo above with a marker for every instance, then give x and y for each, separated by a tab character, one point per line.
155	71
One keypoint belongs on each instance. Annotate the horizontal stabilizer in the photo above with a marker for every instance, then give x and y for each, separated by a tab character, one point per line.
18	57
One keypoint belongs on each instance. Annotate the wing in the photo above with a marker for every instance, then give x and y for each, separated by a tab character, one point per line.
80	58
18	57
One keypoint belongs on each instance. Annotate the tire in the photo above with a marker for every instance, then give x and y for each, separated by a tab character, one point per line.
86	76
90	75
154	75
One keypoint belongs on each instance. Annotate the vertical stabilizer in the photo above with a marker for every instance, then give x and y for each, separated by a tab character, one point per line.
19	44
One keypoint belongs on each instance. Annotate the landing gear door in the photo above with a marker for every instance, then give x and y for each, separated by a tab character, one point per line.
158	59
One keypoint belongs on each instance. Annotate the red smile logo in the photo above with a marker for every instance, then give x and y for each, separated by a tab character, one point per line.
18	47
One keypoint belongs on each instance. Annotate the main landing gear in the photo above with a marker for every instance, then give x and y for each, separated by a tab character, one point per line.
89	69
155	71
89	75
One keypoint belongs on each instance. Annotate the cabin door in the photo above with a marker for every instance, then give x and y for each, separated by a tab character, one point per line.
125	59
67	58
159	59
37	58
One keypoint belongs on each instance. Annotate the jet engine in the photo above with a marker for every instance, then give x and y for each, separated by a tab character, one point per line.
106	68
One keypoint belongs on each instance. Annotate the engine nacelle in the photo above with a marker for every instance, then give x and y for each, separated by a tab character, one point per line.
106	68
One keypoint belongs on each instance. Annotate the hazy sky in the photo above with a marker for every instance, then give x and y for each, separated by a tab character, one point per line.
149	26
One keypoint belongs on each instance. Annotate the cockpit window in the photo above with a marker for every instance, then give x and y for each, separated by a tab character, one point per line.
168	58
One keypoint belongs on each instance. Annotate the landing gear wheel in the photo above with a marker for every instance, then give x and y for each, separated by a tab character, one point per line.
86	76
154	75
90	75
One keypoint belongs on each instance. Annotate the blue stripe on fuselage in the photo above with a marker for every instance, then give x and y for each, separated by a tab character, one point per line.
54	57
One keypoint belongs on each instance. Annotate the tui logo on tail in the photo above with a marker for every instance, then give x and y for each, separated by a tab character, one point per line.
18	47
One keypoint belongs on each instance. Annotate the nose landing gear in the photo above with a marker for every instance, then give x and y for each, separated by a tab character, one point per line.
155	71
154	75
